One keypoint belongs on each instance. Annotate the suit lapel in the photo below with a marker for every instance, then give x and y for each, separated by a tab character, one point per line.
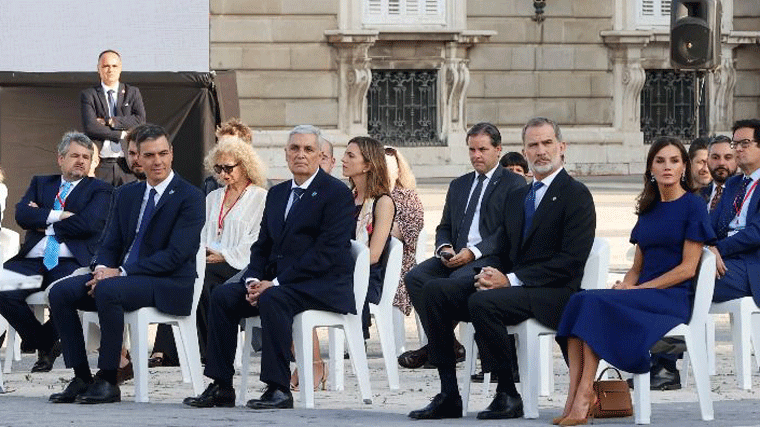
120	99
307	199
75	193
50	192
492	183
134	213
171	189
102	99
553	195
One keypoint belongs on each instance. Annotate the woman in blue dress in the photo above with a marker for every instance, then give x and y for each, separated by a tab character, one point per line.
621	324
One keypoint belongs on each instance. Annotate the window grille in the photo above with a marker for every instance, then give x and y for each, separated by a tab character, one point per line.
667	106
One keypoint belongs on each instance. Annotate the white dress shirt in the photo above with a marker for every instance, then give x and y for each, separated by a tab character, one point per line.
740	220
111	149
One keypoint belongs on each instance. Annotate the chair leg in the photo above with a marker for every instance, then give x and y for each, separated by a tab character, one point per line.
245	349
701	377
384	323
399	330
10	350
547	365
710	342
354	339
138	330
740	334
642	404
755	332
239	351
181	354
336	373
527	351
189	353
467	335
302	341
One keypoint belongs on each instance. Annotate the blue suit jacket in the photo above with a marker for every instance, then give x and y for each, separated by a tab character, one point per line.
745	244
706	191
170	243
311	251
89	202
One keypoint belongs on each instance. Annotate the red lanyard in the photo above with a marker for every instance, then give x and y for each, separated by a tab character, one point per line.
746	196
60	200
220	221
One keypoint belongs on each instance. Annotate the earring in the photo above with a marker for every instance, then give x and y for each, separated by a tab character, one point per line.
652	179
683	177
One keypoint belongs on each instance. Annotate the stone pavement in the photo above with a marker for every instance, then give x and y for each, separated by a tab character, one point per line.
25	403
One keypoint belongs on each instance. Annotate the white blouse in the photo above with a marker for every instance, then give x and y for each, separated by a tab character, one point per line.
241	225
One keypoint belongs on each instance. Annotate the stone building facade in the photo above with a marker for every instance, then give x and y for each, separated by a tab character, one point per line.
582	62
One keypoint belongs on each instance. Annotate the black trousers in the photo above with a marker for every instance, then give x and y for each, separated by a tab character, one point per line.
13	305
216	274
276	306
113	297
425	273
490	311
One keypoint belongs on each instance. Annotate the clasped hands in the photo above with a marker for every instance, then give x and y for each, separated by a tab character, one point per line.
456	260
64	214
255	289
105	122
491	278
100	273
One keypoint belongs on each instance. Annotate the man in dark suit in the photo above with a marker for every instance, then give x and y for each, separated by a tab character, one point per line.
147	259
736	221
470	232
721	161
63	216
549	230
700	173
301	261
109	110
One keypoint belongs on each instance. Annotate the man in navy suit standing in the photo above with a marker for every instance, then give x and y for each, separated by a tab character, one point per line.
301	261
736	220
109	110
470	232
147	259
63	216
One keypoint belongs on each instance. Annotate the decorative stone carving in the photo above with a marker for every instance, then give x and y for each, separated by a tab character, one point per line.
629	75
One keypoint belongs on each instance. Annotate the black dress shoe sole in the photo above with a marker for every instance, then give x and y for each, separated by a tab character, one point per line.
501	415
422	416
89	401
260	405
666	387
196	404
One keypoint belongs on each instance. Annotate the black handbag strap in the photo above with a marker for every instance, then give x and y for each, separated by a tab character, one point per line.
601	374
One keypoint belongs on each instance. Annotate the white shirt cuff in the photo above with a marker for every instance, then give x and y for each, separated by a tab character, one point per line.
475	251
54	216
275	282
123	134
513	280
122	272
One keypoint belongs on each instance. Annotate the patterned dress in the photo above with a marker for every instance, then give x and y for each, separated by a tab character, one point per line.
410	219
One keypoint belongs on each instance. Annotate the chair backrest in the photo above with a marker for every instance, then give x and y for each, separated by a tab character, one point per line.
704	281
421	253
597	265
392	262
200	267
360	252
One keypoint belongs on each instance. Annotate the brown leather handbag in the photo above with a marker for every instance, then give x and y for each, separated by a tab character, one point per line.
613	397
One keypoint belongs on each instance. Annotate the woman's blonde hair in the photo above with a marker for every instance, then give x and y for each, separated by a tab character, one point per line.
405	176
243	153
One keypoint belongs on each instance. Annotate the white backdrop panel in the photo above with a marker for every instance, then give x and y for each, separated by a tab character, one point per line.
67	35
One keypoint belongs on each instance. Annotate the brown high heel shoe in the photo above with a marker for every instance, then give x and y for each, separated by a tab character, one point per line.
579	421
557	420
319	382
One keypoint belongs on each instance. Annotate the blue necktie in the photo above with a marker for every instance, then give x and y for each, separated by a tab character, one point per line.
735	207
469	215
53	246
297	194
134	251
530	206
111	103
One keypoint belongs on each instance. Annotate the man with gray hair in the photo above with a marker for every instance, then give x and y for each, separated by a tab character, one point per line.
301	261
63	216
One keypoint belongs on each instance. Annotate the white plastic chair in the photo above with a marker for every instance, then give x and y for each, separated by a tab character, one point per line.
529	334
398	316
383	311
694	334
9	242
745	328
184	330
305	322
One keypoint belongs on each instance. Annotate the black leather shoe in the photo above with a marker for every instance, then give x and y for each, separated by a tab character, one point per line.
665	380
214	395
502	407
442	406
46	358
413	359
273	398
100	391
76	387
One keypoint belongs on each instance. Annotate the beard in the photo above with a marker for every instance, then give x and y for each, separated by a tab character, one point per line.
720	175
545	168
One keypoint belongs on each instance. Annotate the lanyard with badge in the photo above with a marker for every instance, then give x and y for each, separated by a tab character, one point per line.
738	209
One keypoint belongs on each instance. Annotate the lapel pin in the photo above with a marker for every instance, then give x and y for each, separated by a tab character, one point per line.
126	104
313	194
172	192
554	198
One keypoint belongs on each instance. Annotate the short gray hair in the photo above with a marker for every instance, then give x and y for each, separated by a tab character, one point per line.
540	121
324	141
307	130
77	137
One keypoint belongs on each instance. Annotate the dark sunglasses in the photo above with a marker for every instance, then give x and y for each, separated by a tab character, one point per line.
226	168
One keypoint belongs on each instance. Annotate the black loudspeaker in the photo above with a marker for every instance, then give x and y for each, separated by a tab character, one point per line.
695	34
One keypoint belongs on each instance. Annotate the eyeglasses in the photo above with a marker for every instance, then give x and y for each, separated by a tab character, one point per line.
390	151
744	143
226	168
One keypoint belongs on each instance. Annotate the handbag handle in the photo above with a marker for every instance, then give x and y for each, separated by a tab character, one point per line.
601	374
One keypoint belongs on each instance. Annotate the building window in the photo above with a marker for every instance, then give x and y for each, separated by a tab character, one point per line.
667	106
652	13
402	107
404	12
